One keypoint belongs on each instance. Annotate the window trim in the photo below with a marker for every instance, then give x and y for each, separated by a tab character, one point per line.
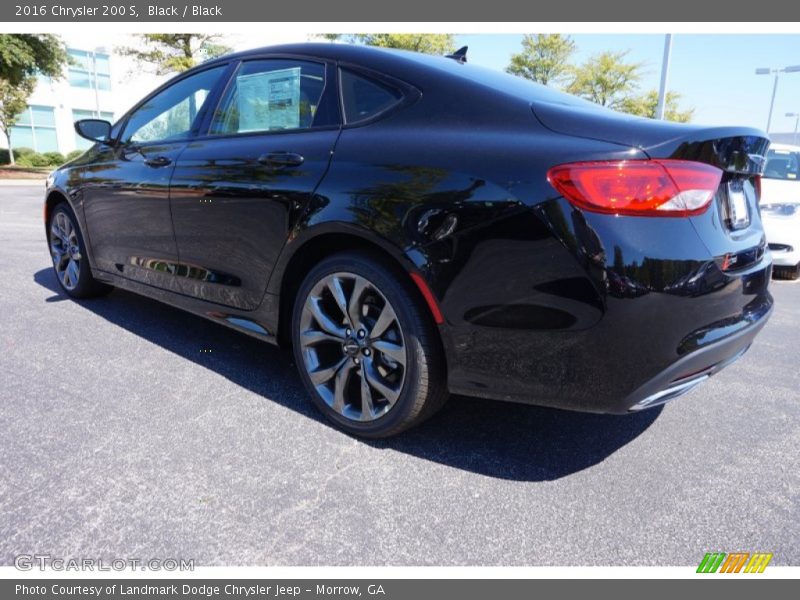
409	94
199	118
330	73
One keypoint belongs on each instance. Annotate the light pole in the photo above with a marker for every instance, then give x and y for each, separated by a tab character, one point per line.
101	50
776	72
796	119
662	89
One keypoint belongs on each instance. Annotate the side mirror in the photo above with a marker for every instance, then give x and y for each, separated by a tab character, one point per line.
94	130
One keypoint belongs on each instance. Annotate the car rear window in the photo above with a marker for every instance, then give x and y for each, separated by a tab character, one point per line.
363	97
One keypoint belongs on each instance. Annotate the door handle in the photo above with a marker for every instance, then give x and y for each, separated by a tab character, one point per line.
281	159
157	161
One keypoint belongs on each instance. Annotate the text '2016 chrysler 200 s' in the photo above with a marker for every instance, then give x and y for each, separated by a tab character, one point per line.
414	225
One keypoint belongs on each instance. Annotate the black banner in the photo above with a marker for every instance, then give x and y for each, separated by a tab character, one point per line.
410	10
386	589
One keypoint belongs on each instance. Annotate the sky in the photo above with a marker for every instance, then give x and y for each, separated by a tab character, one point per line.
713	73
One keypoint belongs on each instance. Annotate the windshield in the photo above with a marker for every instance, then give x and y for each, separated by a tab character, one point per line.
782	164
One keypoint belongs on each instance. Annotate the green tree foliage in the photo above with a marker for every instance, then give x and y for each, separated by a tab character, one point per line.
13	101
645	105
606	78
26	55
166	53
544	58
427	43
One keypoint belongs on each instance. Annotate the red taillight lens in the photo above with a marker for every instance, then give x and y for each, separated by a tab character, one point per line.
655	188
757	186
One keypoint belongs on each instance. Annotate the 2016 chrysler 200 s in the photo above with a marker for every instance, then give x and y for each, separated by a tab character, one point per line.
414	225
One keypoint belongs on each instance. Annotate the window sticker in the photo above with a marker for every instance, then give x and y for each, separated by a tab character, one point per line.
269	101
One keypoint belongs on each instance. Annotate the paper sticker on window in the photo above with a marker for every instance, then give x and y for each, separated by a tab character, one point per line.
269	101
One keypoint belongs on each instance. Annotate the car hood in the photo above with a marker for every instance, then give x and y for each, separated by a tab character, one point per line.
778	191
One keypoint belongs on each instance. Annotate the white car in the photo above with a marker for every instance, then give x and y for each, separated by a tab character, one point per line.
780	208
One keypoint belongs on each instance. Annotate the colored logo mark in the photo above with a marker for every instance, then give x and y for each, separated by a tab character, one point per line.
737	562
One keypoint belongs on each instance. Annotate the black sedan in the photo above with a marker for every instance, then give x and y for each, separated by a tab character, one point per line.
414	225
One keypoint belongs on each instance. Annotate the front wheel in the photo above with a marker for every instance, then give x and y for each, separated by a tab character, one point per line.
68	252
367	350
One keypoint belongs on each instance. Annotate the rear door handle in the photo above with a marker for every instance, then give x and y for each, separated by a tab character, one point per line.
157	161
281	159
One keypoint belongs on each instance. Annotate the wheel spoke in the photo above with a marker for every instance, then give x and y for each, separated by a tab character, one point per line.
336	290
65	277
376	381
72	269
340	385
367	405
394	351
354	306
385	319
320	376
310	337
327	324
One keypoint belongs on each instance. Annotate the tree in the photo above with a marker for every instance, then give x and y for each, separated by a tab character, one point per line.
27	55
645	106
428	43
606	79
544	58
167	53
13	101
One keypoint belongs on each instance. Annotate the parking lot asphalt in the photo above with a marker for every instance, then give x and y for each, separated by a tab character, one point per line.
131	429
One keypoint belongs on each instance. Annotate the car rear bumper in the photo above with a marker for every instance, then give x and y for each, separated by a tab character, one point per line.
696	367
614	329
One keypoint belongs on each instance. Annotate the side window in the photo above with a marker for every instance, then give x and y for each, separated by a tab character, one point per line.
270	95
169	115
363	97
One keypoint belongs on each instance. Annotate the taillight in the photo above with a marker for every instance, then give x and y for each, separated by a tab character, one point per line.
654	188
757	187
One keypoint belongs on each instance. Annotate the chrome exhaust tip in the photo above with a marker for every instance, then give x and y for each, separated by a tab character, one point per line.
670	393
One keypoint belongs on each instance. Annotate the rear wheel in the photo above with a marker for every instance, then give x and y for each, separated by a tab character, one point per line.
68	252
366	348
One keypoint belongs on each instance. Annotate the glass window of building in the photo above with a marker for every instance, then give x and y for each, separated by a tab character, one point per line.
88	69
36	129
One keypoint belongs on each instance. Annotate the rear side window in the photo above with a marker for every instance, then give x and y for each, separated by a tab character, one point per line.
363	98
271	95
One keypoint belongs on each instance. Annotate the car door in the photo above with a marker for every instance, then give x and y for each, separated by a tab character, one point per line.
126	193
235	191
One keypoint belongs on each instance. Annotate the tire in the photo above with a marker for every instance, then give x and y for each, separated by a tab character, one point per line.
781	272
356	318
68	251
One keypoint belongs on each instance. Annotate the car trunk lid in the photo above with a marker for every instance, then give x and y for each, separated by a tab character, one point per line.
731	227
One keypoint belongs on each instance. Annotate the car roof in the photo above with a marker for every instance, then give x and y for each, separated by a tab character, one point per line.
417	69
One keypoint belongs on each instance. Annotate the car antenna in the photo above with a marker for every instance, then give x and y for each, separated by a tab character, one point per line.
459	55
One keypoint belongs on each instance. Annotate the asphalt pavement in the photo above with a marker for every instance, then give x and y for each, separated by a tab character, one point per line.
132	429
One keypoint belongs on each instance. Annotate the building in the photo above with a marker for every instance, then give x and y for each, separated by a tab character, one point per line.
84	92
